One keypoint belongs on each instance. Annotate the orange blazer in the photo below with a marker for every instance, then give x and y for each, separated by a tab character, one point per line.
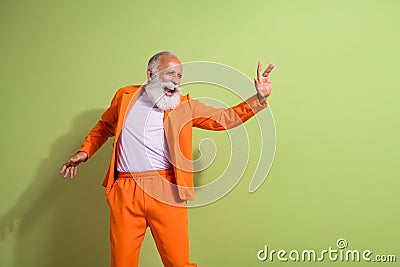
178	125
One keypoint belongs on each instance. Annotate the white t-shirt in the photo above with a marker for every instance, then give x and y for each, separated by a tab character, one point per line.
142	144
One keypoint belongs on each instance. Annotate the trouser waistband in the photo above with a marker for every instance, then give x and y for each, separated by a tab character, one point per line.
167	174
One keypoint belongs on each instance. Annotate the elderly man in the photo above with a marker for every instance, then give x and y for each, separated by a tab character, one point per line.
150	174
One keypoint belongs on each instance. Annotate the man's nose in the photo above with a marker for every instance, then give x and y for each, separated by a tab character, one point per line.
175	80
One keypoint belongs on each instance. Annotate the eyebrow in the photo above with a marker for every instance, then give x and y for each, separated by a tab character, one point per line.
173	71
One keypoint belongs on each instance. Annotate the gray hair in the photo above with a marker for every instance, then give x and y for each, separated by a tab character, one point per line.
154	60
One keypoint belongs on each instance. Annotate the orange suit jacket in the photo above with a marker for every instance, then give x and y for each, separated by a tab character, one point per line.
178	125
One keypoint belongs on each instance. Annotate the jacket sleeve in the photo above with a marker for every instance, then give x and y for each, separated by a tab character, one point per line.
104	128
218	119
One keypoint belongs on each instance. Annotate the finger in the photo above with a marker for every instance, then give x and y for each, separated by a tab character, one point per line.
75	171
259	70
72	173
66	172
268	70
63	168
256	82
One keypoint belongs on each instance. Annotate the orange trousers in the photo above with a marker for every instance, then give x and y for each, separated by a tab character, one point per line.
136	202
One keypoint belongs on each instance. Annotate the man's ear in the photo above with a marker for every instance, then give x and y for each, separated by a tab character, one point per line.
149	74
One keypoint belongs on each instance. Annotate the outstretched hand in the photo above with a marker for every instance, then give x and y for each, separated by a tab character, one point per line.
263	82
71	166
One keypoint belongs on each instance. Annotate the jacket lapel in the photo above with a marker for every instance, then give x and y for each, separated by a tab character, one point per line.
128	99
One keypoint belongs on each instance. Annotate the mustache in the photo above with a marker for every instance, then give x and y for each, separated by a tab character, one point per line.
169	86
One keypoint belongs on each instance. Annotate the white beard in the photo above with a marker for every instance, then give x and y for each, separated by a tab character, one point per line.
155	91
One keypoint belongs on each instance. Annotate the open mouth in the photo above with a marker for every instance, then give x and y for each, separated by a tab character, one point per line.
169	91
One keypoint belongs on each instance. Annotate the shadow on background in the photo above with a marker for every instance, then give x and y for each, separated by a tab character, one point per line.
59	222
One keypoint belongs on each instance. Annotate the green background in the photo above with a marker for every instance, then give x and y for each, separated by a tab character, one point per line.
335	103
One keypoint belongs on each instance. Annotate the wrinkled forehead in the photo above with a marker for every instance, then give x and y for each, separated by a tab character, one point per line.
169	62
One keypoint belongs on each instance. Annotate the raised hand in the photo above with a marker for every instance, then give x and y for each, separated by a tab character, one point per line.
263	82
71	166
